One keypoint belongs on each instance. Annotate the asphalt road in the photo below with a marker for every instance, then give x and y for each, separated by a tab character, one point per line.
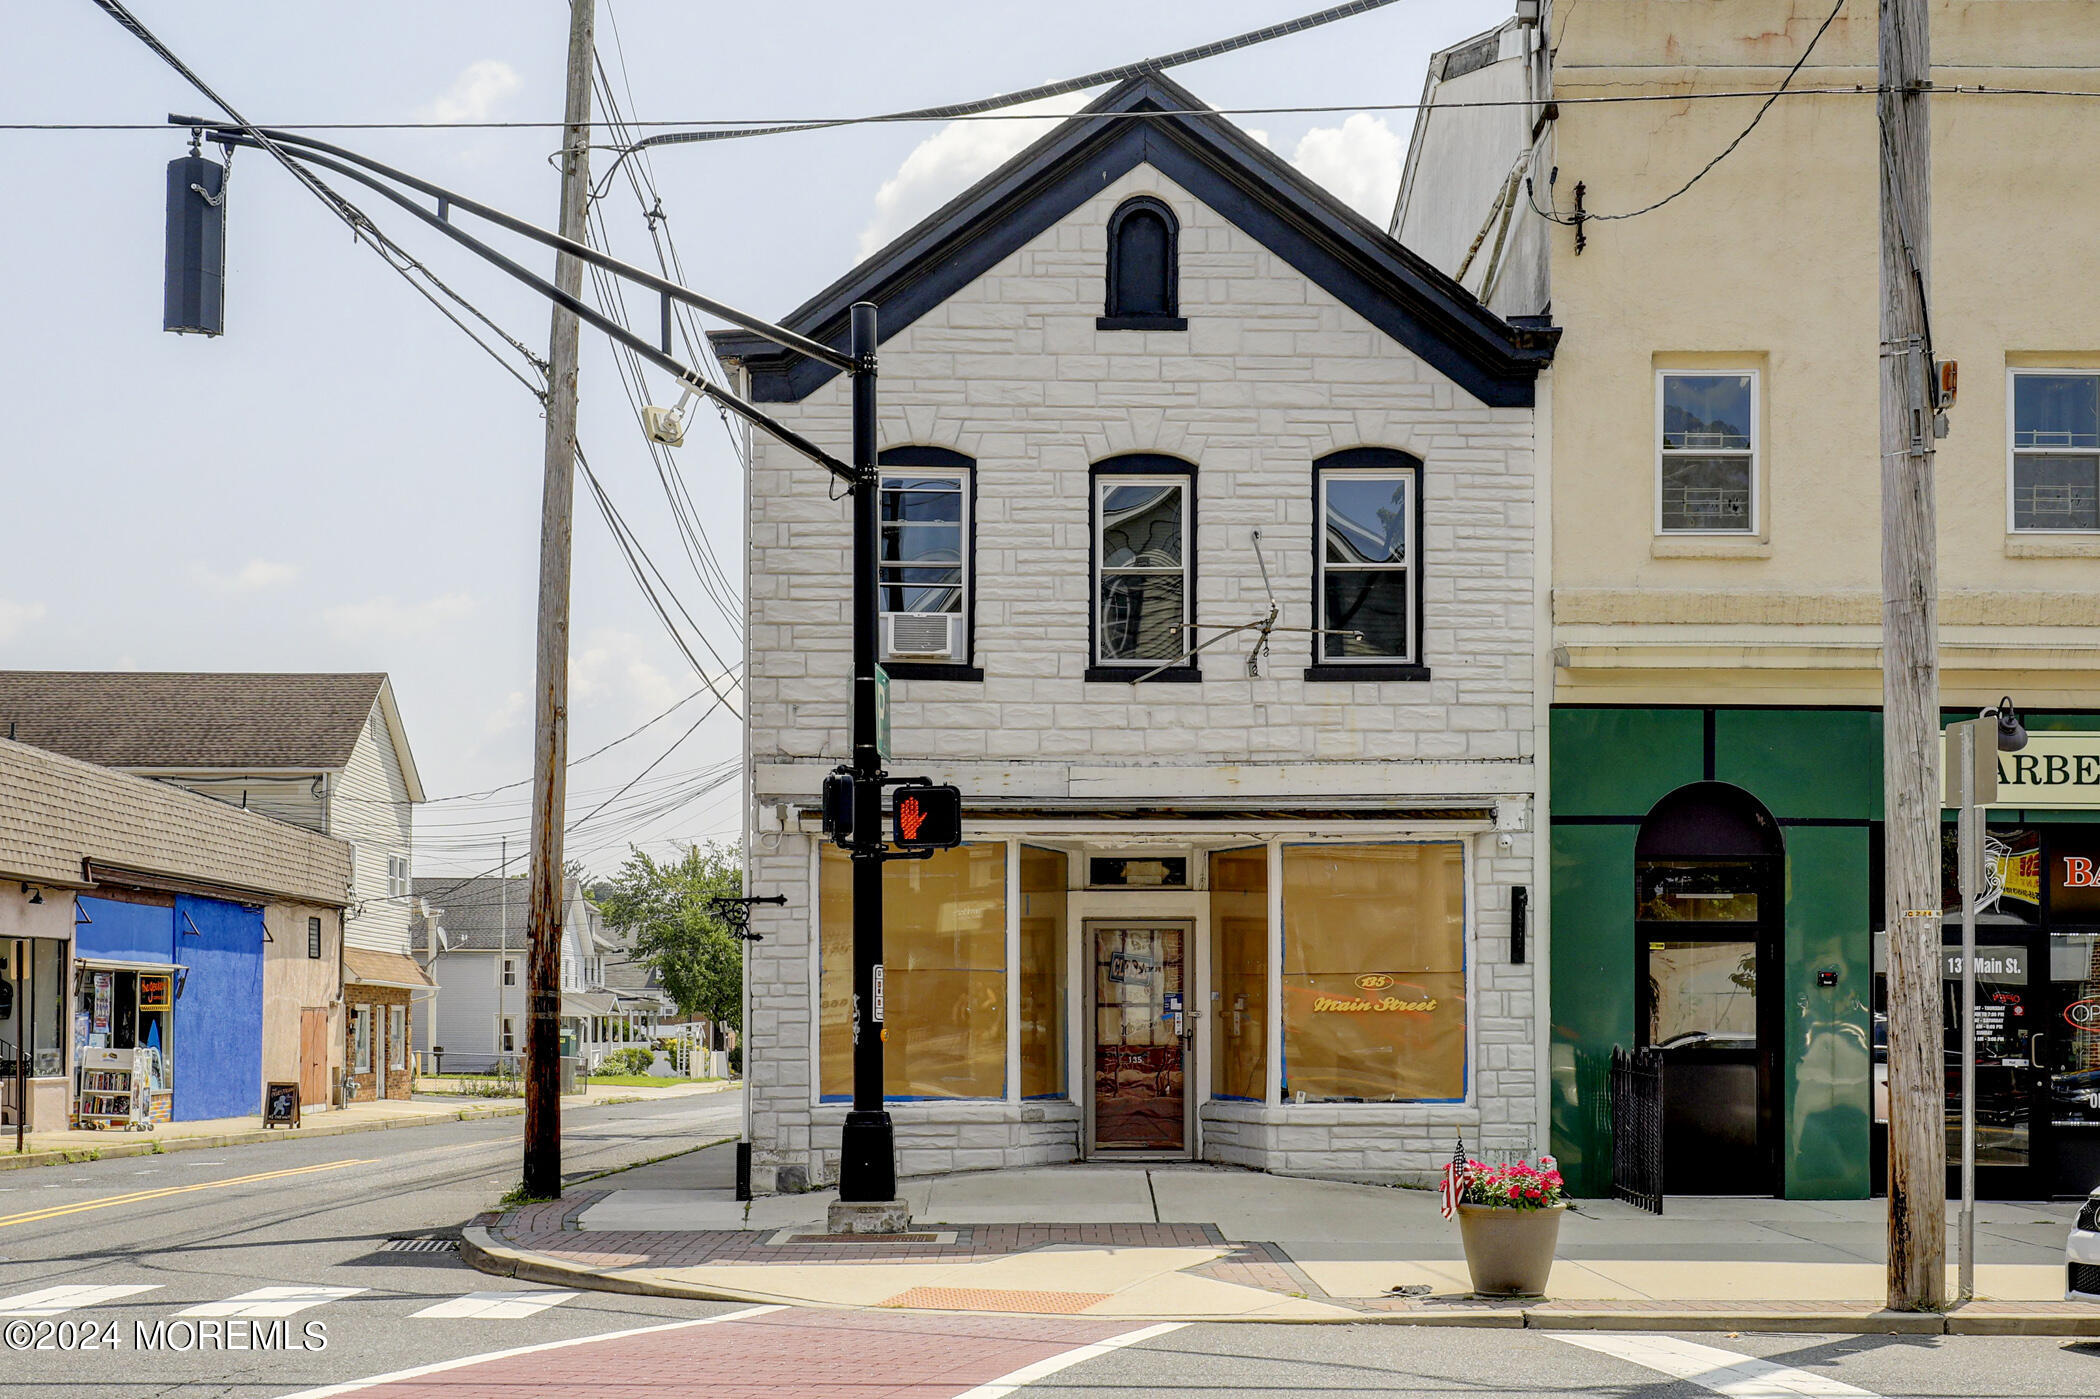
287	1244
203	1227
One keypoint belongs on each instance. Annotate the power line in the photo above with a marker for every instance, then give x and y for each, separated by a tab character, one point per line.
1576	220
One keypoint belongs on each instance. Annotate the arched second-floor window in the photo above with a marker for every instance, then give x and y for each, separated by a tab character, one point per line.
1143	275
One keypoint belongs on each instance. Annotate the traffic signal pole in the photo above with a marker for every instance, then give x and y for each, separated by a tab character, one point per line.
867	1143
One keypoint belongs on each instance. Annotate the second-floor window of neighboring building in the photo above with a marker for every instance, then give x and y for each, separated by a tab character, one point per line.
397	876
1366	564
510	972
1143	280
1142	597
313	937
1707	452
2055	450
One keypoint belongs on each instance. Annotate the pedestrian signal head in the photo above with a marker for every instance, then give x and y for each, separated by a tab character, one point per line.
928	818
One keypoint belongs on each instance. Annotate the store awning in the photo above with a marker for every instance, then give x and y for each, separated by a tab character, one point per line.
111	964
587	1003
364	967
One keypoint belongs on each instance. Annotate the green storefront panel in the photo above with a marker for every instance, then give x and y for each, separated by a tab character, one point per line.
1620	762
1803	764
1826	1060
1592	993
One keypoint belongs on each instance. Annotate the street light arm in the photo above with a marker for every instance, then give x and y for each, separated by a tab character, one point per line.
779	335
584	312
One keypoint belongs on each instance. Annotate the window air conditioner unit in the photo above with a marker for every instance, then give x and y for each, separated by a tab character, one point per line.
921	635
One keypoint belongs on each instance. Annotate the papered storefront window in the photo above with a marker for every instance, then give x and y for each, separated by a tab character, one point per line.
944	955
1044	874
1374	973
1239	964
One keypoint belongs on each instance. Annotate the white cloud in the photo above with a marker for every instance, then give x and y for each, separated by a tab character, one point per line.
251	577
943	165
476	93
17	617
611	669
508	715
1358	162
389	616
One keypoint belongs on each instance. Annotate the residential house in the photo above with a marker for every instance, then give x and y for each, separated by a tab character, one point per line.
1711	519
153	949
475	952
1229	893
323	751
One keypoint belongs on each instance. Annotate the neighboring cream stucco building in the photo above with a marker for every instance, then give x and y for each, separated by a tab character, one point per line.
1711	520
1259	916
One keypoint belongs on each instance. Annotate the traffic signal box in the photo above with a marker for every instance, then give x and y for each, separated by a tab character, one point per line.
928	818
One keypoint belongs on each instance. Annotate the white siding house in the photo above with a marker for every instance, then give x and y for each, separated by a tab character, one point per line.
1228	893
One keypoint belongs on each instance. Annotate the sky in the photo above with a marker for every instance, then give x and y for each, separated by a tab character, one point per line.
343	482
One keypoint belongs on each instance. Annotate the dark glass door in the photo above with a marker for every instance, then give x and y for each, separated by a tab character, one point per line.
1707	958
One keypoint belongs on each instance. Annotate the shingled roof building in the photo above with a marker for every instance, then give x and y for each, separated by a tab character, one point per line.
324	751
166	942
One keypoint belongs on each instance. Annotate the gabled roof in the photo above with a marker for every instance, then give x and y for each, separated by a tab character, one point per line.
1218	163
489	914
145	719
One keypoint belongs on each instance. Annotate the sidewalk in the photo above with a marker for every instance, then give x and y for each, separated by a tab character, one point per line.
49	1148
1209	1243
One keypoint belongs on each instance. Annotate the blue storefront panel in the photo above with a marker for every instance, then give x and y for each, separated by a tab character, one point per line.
218	1011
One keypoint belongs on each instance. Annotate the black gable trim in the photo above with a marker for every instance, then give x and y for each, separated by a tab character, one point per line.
1395	290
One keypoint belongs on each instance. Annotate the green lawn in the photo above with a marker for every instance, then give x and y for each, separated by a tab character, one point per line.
644	1080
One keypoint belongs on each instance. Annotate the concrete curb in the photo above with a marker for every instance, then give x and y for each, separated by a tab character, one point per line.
132	1144
479	1248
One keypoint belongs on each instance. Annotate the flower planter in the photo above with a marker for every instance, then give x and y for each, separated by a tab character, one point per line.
1509	1251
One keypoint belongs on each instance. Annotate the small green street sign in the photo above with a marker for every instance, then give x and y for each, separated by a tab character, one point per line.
882	713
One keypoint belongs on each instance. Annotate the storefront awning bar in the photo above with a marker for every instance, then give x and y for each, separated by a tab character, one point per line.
108	964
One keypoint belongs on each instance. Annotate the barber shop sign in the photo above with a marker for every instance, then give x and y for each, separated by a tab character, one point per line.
2053	770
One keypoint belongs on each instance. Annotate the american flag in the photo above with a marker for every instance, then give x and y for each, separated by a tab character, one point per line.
1454	1174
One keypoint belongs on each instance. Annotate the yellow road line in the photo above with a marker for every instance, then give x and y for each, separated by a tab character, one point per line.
31	1216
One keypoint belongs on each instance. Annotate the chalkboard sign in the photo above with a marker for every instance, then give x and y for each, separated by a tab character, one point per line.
281	1105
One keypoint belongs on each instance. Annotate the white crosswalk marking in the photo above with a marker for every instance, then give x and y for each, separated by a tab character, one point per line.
56	1301
272	1301
1710	1367
495	1306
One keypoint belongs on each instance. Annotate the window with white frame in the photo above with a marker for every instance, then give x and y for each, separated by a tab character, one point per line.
361	1039
1367	582
1141	564
397	1036
923	570
510	972
1706	455
397	876
2055	450
510	1036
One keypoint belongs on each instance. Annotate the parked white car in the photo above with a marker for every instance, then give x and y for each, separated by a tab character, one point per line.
2082	1254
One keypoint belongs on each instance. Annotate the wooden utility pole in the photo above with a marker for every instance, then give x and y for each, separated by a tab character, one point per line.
551	706
1910	676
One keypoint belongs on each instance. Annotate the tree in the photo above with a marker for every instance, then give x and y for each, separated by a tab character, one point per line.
662	908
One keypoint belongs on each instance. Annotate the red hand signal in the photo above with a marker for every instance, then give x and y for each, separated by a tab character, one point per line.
910	817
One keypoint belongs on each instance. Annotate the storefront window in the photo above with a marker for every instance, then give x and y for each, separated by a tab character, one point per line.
1374	974
34	1021
1239	968
944	964
361	1039
397	1037
1704	891
1043	879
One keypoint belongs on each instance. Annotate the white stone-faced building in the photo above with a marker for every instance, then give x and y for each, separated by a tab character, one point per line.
1242	902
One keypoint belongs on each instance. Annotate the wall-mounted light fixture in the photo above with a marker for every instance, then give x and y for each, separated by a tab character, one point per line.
36	895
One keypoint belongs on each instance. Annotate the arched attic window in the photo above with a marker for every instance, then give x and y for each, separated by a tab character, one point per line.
1142	268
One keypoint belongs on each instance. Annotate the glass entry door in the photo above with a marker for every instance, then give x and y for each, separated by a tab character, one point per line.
1139	1102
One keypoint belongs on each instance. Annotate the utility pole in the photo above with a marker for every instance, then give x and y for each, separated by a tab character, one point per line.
503	945
551	704
1917	1240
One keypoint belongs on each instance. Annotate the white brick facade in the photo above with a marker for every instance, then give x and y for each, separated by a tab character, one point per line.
1272	373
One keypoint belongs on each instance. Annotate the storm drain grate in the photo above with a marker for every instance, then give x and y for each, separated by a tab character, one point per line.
420	1246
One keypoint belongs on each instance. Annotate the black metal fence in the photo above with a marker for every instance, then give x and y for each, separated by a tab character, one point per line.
1637	1127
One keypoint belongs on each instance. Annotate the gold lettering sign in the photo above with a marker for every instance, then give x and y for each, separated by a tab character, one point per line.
2059	769
1358	1004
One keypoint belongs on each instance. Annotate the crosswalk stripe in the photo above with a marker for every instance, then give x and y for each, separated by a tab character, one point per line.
495	1306
56	1301
1710	1367
272	1301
